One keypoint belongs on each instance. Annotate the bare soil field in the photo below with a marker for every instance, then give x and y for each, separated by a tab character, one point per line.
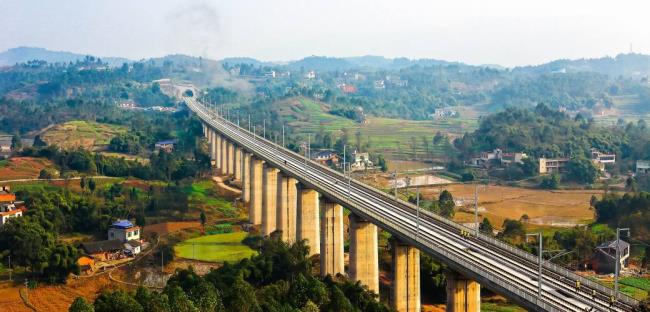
170	227
22	168
543	207
54	298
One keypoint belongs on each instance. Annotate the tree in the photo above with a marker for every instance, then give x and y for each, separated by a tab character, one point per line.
81	305
486	226
644	306
582	170
204	218
513	230
178	300
47	173
16	144
446	204
82	183
551	182
91	185
117	301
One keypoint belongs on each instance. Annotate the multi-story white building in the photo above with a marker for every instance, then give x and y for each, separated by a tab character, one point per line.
124	231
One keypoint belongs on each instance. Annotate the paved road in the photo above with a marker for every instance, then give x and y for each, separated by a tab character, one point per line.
496	265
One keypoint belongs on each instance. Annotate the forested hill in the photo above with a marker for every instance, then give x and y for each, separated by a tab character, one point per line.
631	64
543	132
25	54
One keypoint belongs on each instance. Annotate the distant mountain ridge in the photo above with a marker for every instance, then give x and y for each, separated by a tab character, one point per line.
24	54
631	64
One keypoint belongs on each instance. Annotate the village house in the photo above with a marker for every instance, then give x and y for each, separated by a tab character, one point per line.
310	74
9	207
361	162
601	159
124	231
132	247
555	165
603	260
642	167
498	156
379	84
103	250
326	158
166	146
348	88
443	113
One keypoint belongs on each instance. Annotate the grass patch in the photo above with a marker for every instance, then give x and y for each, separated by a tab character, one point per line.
215	248
201	195
3	163
637	282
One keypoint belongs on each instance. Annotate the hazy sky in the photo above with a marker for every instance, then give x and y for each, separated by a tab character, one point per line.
505	32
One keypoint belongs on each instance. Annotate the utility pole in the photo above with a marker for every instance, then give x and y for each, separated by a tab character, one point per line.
417	212
254	134
10	268
539	270
249	122
476	209
617	266
395	182
283	135
264	128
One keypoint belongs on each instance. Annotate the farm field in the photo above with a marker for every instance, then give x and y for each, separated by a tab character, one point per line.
626	107
22	168
544	208
395	137
56	298
84	134
215	248
202	196
139	159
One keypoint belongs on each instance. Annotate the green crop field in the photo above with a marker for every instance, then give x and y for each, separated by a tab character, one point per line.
215	248
201	195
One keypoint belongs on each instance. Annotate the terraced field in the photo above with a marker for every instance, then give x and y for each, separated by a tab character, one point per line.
84	134
396	138
22	168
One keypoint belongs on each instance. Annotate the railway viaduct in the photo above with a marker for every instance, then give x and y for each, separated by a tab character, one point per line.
302	200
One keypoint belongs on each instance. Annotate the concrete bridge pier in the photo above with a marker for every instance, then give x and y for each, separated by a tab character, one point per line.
332	242
231	158
237	161
269	200
463	294
217	152
308	217
246	177
287	207
364	258
405	291
224	156
255	207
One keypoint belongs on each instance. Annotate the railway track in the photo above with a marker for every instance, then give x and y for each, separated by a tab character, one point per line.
494	264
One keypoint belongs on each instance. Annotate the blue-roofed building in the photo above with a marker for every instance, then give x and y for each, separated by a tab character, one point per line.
124	231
